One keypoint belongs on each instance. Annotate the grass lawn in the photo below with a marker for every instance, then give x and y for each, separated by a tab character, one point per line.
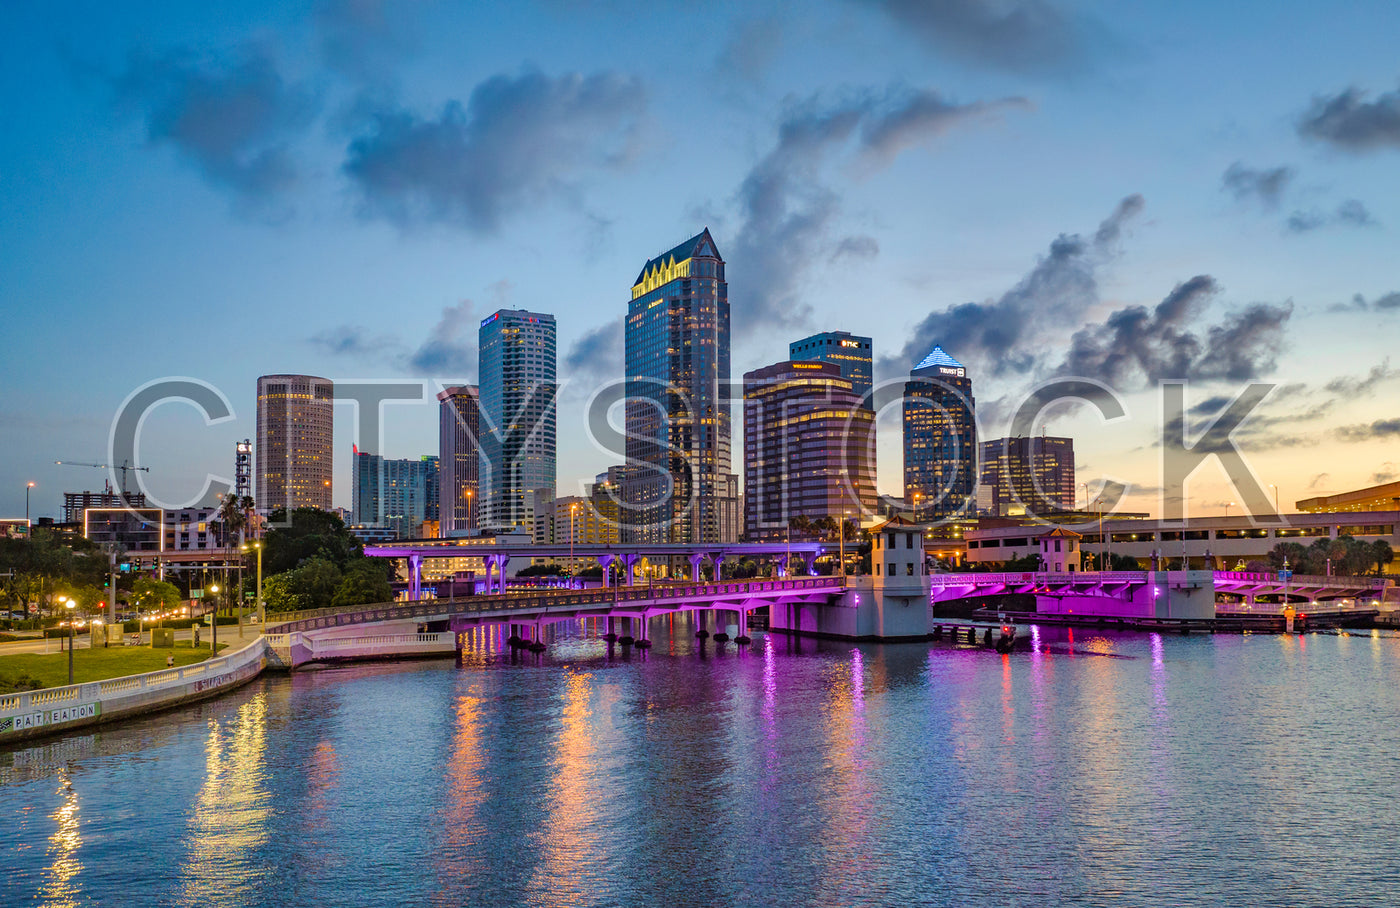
51	669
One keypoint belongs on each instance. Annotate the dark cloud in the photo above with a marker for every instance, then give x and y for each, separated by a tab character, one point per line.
1351	213
1265	186
857	247
1319	480
1135	346
365	39
1352	388
1349	122
1209	405
1358	303
518	140
450	349
356	342
752	48
1026	36
599	353
1387	473
233	119
788	212
1001	336
1381	428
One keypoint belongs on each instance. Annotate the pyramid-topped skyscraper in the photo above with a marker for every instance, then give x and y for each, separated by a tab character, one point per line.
940	439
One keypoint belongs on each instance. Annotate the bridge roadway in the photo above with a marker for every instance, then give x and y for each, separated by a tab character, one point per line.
549	606
1117	584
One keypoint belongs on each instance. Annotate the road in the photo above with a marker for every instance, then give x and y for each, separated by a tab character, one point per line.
228	635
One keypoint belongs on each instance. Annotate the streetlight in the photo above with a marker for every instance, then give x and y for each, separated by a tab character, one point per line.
26	504
573	567
257	546
69	604
470	522
1228	506
1275	488
214	625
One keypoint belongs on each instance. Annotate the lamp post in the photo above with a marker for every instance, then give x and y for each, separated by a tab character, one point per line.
841	543
573	509
214	625
69	604
471	523
1275	488
26	504
257	547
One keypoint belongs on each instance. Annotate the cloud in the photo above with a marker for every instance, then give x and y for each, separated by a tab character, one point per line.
752	48
1387	473
1319	480
356	342
1386	303
1135	346
1002	336
234	120
1351	213
788	212
1351	123
857	247
1265	186
365	39
519	140
1381	428
599	353
450	350
1024	36
1353	388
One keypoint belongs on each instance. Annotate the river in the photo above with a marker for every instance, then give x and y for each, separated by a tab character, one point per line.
1089	769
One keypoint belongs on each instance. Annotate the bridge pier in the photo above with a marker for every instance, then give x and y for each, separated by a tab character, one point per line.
415	577
611	635
630	563
695	567
743	636
606	563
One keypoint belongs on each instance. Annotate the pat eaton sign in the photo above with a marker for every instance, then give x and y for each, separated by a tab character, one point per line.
50	717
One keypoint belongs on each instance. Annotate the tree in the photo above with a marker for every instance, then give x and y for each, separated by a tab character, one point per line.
316	579
1381	554
279	594
231	519
365	582
154	595
799	524
310	533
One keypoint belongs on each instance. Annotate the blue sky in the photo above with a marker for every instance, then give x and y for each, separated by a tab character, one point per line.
346	188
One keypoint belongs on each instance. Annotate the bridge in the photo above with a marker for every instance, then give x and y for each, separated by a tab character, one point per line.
1155	594
298	637
496	555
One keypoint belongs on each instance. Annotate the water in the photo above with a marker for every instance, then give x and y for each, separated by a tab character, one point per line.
1097	770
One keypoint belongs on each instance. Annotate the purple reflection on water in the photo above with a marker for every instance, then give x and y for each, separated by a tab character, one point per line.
770	709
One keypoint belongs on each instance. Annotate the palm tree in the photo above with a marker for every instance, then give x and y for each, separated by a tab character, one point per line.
799	524
232	518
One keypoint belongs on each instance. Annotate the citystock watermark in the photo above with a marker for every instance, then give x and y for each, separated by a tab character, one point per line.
671	443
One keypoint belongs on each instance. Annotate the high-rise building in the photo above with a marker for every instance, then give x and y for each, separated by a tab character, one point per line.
459	428
809	448
849	352
397	495
940	439
295	427
518	384
678	487
1032	475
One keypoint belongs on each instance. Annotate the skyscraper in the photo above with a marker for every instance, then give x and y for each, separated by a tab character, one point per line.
851	353
1035	474
459	428
940	438
678	487
518	383
295	428
809	448
395	494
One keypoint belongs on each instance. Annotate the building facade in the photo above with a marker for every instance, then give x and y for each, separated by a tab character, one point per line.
1028	475
1384	497
809	448
191	529
516	468
679	487
852	354
459	428
394	495
294	443
940	439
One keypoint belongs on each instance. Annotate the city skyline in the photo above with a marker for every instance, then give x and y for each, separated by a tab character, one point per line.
1017	207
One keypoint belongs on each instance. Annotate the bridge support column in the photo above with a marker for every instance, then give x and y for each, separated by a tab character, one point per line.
606	562
695	567
811	559
501	562
487	564
742	637
415	577
630	562
718	561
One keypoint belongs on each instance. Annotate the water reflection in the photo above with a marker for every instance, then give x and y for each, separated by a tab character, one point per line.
568	830
229	824
463	827
61	879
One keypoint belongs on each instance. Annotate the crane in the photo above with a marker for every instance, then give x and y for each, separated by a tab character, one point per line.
125	467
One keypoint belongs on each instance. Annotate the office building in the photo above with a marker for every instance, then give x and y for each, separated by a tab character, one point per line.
394	495
517	429
852	354
679	487
191	529
127	529
940	439
75	504
1032	475
1384	497
809	448
459	427
293	447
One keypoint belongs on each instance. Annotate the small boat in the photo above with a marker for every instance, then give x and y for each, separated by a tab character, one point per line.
1007	641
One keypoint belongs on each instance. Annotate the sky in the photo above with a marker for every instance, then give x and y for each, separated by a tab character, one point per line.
1126	193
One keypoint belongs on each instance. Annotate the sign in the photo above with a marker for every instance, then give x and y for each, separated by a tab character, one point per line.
949	370
196	593
50	717
1285	575
209	620
846	343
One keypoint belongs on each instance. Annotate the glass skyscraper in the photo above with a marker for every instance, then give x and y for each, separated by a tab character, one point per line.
396	494
679	487
518	419
459	428
848	351
940	439
295	430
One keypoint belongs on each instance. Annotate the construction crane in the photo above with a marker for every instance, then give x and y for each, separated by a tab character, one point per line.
125	468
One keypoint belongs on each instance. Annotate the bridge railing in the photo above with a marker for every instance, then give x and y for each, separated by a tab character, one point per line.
1376	583
531	600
